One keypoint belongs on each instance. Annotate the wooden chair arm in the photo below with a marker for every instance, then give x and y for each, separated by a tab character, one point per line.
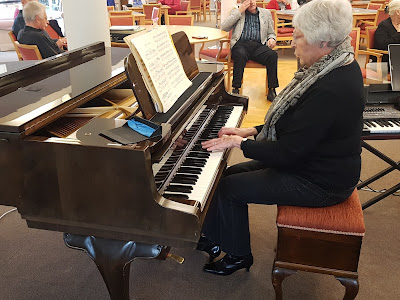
183	12
378	51
283	24
372	53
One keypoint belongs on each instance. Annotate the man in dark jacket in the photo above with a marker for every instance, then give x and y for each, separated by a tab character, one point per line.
34	31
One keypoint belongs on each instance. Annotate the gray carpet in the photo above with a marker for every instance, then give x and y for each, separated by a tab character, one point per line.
35	264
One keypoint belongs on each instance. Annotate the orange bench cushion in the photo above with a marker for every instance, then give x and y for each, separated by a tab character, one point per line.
344	218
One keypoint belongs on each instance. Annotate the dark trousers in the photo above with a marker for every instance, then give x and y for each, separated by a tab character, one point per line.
227	221
244	51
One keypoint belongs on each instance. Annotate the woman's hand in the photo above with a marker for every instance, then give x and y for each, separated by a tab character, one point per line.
222	143
62	43
243	132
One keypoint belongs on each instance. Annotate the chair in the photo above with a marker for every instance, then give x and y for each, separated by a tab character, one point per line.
124	20
52	33
217	4
185	8
325	240
180	20
284	35
110	8
29	52
380	16
14	40
120	13
375	6
195	8
223	54
371	40
148	11
355	42
205	7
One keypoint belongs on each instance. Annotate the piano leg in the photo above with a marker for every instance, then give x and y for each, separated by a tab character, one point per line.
113	259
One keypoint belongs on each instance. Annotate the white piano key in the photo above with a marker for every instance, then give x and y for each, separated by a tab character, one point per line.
382	129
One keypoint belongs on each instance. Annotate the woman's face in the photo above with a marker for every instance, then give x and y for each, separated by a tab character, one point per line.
308	54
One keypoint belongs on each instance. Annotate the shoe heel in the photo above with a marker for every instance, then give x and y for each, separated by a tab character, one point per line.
248	268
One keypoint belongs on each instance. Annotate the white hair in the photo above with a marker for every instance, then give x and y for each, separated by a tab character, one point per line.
324	21
33	9
393	6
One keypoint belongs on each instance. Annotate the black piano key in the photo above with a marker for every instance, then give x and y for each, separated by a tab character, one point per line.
184	181
173	195
190	170
180	188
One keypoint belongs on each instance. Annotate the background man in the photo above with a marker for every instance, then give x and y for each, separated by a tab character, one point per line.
34	31
19	22
253	38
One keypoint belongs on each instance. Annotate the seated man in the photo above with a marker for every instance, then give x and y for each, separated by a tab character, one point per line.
34	31
19	22
253	38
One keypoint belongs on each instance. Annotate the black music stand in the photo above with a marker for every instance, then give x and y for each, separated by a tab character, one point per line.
393	166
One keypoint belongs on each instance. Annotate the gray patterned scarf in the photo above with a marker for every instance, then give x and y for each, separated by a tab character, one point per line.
343	54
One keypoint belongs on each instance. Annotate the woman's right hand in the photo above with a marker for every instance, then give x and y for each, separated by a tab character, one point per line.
243	132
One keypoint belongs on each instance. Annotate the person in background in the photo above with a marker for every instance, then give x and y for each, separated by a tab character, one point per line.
253	38
278	4
19	22
174	5
388	31
308	151
34	32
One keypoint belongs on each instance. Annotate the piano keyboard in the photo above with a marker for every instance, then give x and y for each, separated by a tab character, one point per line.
380	126
188	173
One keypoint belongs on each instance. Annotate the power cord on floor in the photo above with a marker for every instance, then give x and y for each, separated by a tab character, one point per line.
369	189
7	212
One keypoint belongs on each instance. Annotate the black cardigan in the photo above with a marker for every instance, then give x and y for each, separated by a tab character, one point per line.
386	34
319	138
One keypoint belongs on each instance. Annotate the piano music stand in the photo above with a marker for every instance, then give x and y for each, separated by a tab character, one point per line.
393	166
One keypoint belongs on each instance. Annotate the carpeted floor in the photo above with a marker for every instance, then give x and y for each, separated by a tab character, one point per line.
36	265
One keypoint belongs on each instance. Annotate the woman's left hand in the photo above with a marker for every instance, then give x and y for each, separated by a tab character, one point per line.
222	143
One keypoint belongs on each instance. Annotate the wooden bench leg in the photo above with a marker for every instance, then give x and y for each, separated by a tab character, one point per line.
351	285
278	274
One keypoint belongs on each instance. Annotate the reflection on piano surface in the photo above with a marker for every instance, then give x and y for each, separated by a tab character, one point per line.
116	202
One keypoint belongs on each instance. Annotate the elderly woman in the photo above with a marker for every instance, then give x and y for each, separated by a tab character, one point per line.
388	31
308	151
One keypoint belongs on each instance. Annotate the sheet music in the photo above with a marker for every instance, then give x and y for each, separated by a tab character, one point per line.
163	65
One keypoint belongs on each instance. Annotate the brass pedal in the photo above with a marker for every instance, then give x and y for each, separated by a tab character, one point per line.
177	258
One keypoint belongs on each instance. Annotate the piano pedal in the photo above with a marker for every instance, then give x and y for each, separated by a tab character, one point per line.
177	258
164	254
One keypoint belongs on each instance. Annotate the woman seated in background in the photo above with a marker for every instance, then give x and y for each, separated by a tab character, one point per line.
278	4
307	153
388	31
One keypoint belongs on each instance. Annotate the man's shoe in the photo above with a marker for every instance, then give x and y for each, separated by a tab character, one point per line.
206	245
229	264
271	94
235	90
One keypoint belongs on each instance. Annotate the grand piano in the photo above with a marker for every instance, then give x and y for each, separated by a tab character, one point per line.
114	201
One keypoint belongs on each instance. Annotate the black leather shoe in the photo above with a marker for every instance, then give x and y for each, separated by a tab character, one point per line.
235	90
213	249
271	94
229	264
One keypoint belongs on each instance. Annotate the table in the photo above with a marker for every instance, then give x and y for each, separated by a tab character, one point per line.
139	8
137	17
360	4
213	34
358	14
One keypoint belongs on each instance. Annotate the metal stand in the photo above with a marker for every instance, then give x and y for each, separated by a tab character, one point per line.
393	166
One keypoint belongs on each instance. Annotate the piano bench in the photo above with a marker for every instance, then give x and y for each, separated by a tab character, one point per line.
323	240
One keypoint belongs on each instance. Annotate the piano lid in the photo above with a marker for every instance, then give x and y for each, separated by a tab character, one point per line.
19	108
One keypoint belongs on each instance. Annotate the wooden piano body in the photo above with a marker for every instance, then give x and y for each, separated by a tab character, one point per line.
83	184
